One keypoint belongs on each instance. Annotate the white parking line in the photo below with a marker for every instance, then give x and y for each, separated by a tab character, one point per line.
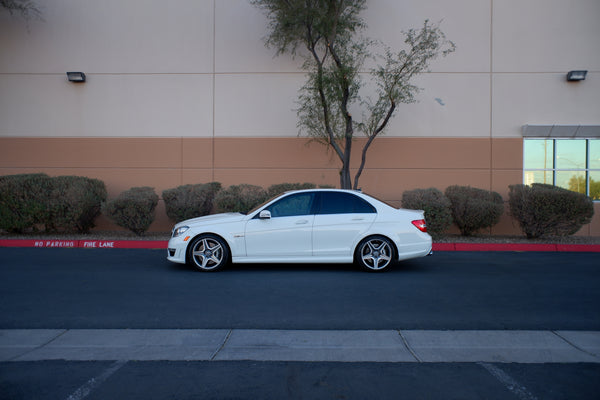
93	383
513	386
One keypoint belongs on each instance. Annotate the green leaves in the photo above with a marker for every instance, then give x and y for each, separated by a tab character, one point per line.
549	210
309	23
133	209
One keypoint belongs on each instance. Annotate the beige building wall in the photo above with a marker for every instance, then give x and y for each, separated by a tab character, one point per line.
187	92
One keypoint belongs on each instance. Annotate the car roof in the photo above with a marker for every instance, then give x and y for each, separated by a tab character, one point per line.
324	190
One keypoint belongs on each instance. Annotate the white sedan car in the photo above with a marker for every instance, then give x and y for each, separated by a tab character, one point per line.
304	226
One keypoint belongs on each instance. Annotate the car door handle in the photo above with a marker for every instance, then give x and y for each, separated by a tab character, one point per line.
302	222
358	219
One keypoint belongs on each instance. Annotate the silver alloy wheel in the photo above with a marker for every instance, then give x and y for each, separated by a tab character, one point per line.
376	253
208	253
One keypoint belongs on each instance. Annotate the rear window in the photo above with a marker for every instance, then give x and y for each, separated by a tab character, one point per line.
343	203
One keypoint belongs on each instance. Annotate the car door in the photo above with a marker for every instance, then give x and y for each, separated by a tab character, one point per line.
286	233
341	218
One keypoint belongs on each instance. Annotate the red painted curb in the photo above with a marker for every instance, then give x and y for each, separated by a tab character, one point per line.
123	244
86	244
578	247
162	244
504	247
444	247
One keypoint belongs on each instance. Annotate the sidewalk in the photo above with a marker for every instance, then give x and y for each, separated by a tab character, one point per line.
300	345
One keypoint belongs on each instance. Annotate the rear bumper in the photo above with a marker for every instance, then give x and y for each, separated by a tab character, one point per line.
421	248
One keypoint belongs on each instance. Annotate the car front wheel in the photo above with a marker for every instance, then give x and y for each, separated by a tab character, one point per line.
208	253
375	253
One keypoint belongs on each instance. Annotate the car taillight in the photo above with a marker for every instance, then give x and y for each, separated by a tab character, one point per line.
420	224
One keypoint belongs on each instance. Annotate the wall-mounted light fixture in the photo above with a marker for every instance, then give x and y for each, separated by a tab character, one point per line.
76	76
574	76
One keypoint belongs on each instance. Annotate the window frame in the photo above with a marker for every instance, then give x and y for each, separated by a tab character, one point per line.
586	171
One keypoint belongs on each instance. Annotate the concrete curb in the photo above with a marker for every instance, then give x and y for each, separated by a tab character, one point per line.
300	345
162	244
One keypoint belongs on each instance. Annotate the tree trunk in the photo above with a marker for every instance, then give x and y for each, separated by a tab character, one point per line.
345	180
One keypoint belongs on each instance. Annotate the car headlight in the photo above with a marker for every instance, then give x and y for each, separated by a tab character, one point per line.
180	230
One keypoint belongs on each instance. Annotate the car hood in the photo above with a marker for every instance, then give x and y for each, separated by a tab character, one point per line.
213	219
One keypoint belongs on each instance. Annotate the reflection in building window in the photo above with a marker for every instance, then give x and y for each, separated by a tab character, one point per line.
573	164
539	161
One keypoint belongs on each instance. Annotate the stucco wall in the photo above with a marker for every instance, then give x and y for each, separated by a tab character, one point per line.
185	91
198	68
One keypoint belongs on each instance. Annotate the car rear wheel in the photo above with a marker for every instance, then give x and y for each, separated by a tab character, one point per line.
374	253
208	253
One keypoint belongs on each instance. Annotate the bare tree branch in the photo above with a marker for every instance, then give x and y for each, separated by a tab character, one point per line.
330	32
26	8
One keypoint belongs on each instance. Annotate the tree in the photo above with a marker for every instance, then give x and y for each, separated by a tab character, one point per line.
594	189
577	183
27	8
327	35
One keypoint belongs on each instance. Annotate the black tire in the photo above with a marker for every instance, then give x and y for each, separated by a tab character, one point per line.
208	253
375	253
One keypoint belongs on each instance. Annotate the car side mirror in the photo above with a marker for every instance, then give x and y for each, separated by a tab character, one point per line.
264	214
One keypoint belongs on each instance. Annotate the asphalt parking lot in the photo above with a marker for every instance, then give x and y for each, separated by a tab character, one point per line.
91	323
117	289
295	380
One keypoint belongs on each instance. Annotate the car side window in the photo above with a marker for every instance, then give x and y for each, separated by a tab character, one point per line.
343	203
296	204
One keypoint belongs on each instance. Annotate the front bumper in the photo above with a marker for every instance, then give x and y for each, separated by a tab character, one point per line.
176	250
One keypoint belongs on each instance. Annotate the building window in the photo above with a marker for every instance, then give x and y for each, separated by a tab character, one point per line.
573	164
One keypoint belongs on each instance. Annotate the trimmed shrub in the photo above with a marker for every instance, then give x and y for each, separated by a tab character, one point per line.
544	209
435	204
240	198
74	203
280	188
190	201
133	209
23	201
474	209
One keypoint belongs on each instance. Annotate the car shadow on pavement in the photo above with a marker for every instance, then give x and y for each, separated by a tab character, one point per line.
400	267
